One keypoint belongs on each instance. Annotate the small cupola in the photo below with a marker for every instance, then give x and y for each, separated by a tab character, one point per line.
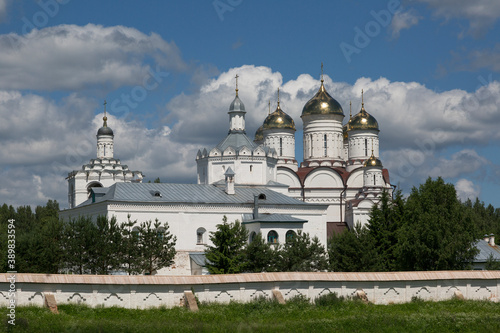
363	120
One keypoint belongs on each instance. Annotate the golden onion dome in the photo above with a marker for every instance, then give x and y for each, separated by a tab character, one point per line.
363	121
373	162
259	134
279	120
322	103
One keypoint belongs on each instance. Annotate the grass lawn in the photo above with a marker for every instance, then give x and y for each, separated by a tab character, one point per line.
330	315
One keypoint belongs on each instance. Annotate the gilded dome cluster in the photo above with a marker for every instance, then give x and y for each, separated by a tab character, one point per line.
279	120
322	103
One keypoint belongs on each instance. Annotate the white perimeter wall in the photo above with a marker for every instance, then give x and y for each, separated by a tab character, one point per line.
153	291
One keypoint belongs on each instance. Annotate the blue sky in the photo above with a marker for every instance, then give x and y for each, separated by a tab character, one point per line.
429	68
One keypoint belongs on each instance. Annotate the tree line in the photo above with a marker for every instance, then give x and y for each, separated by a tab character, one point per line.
431	229
46	244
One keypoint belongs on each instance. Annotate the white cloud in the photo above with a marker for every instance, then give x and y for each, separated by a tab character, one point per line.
70	57
476	59
467	189
43	140
403	20
481	14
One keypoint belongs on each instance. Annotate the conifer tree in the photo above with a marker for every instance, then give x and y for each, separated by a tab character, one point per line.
227	255
383	227
129	250
260	257
104	251
352	251
156	246
302	254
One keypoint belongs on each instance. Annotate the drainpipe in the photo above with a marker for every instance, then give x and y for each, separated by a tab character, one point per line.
341	195
393	190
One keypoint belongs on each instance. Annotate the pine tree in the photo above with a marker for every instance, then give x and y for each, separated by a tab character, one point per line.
352	251
129	252
260	257
302	254
103	252
156	246
383	227
227	255
77	242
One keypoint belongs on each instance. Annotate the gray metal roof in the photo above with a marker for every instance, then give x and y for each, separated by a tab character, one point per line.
199	258
237	105
485	250
195	194
275	218
105	130
236	140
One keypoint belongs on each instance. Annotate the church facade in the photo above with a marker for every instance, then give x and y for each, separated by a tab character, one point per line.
258	182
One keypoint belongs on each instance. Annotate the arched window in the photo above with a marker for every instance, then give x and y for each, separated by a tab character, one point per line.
272	237
374	181
281	146
366	147
290	235
200	236
252	236
325	146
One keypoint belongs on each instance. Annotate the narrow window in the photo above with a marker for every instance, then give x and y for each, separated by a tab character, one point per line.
281	146
200	236
311	146
325	145
374	181
366	147
251	168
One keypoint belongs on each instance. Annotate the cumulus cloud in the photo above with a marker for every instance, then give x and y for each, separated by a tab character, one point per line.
71	57
476	59
467	189
403	19
481	14
43	140
202	116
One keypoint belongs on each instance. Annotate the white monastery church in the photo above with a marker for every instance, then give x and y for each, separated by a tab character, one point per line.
258	182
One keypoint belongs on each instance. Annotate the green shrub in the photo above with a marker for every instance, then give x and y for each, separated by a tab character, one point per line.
329	299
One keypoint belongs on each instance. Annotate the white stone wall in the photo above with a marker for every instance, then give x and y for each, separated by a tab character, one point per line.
153	291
